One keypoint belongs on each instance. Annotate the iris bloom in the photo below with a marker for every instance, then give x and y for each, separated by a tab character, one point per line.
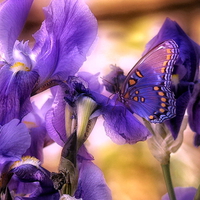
60	48
121	126
185	72
30	178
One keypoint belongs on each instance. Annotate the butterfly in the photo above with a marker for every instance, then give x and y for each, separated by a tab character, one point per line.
146	89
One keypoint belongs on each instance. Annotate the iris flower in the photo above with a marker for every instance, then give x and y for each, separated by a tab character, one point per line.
30	178
61	46
185	73
121	126
186	69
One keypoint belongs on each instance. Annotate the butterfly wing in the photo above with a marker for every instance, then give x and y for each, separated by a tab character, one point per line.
146	89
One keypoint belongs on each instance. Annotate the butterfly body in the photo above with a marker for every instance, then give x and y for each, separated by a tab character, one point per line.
146	90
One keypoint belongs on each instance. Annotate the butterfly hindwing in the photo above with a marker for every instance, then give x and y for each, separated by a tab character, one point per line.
146	89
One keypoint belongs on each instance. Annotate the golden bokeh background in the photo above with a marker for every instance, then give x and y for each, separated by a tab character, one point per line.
125	26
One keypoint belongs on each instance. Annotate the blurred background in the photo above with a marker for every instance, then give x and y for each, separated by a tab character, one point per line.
125	26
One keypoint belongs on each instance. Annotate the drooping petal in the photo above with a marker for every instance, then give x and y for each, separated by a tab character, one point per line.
182	193
64	39
14	141
13	16
92	187
122	127
186	68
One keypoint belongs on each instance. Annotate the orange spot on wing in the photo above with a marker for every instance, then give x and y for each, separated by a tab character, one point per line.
161	93
131	82
169	57
165	63
136	92
151	117
163	105
156	88
139	74
162	110
135	98
163	99
169	50
163	70
142	99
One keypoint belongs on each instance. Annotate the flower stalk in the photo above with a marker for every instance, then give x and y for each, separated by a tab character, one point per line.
168	180
197	195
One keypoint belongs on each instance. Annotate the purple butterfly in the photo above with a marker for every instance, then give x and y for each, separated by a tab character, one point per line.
146	90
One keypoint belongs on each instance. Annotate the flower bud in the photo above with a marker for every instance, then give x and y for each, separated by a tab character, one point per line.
162	143
85	107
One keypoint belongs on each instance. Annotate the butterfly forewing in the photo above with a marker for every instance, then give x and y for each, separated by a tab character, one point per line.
147	87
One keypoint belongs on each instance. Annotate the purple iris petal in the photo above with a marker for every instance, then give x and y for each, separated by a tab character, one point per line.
194	113
15	90
38	136
92	187
186	68
35	121
13	15
182	193
122	127
14	141
30	173
92	81
55	119
64	39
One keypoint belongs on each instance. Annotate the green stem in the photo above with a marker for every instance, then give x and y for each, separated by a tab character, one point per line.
168	181
197	195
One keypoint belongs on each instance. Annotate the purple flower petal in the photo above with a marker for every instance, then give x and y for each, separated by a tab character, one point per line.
64	39
92	81
28	173
182	193
14	141
122	127
13	15
15	90
55	119
194	113
92	187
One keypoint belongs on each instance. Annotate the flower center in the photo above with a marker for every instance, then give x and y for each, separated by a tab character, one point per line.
19	66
